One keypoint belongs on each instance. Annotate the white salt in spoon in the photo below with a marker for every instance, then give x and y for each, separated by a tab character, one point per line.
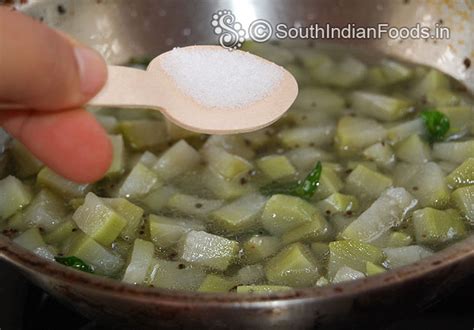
207	89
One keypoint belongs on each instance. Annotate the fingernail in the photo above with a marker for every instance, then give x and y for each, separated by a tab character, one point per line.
92	70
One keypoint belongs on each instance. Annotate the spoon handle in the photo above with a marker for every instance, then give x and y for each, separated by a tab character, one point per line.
125	88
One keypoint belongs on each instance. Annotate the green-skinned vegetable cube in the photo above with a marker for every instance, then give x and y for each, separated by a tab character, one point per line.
14	195
140	261
366	183
435	227
293	266
130	212
413	150
216	283
63	187
432	81
283	213
223	188
398	239
319	99
166	232
276	166
307	136
456	152
118	161
353	254
463	175
259	247
85	248
372	269
158	198
207	250
338	203
61	233
193	206
26	164
226	164
381	153
329	183
178	159
262	289
139	182
380	106
175	275
250	274
426	182
316	230
406	128
240	215
141	134
98	220
463	198
386	212
354	134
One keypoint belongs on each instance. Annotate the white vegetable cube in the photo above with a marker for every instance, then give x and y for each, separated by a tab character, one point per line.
14	195
178	159
193	206
276	166
455	152
165	232
381	153
386	212
204	249
142	256
46	210
30	239
88	250
139	182
405	255
98	220
307	136
240	215
347	274
175	275
426	182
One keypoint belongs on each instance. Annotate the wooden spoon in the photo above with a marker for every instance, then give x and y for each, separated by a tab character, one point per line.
156	89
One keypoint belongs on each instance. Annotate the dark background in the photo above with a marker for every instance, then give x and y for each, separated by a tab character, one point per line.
26	307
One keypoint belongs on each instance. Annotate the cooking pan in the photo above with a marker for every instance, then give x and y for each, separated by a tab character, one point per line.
122	29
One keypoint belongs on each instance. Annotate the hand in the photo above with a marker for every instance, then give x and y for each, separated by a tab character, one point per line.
47	72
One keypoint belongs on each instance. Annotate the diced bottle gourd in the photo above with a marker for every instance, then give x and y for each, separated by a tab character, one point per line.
98	220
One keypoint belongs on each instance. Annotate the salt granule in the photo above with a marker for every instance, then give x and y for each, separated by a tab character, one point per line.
219	78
